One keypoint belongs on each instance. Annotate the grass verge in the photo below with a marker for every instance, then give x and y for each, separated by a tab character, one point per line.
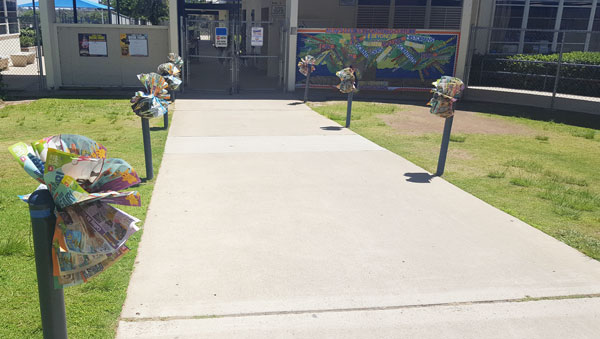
550	181
93	308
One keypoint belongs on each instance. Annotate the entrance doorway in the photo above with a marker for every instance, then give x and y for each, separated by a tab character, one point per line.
232	50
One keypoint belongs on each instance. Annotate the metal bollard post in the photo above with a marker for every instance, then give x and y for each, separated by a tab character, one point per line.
307	85
444	148
147	149
52	301
166	120
349	109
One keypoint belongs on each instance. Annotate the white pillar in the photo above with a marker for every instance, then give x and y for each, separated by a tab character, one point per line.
173	27
465	32
50	44
291	16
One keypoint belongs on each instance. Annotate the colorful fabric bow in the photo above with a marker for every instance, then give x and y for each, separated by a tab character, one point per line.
90	234
447	91
176	60
152	103
305	62
171	74
348	80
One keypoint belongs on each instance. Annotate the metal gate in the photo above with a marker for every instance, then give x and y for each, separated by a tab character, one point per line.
247	63
21	59
260	65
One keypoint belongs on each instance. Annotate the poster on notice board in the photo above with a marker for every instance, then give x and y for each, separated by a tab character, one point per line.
134	44
92	45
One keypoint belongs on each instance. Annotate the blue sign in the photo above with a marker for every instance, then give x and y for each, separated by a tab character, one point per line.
220	36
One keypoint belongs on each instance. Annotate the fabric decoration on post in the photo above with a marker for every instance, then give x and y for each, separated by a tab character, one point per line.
90	234
348	80
305	62
171	74
175	60
447	91
152	103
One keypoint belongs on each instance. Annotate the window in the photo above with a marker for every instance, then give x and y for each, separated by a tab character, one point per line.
444	14
509	16
373	13
9	23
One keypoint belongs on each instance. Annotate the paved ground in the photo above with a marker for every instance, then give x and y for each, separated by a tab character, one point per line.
270	221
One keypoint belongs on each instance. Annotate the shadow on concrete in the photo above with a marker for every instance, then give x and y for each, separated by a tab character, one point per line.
332	128
296	103
421	178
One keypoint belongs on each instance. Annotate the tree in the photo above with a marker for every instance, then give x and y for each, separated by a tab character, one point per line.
151	10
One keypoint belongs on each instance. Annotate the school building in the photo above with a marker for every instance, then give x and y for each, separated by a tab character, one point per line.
245	45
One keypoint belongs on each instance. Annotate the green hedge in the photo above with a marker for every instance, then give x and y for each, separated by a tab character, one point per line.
27	37
588	58
577	73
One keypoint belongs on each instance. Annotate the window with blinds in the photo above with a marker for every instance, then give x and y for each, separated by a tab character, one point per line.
445	17
409	16
372	16
443	14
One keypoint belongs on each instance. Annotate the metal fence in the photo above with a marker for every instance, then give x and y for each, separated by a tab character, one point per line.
21	59
552	62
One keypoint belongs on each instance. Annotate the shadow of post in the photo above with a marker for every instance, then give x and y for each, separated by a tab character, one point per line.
421	178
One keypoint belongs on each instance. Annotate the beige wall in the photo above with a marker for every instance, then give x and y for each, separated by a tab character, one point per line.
115	69
9	44
325	14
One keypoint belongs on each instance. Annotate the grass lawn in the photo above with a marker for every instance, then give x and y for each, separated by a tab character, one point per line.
92	308
542	172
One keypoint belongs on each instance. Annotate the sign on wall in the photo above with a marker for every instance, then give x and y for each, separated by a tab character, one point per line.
134	44
220	36
278	11
386	59
257	36
92	44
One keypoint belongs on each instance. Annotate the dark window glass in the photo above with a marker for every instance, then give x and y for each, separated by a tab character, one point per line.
11	5
411	2
542	17
544	2
374	2
447	3
508	16
596	26
575	18
578	2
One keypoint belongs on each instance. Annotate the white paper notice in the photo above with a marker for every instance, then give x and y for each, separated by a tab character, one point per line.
98	48
138	47
257	36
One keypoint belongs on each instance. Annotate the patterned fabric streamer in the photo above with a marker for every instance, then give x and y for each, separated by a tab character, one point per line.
305	62
348	80
90	234
153	102
176	60
447	91
171	74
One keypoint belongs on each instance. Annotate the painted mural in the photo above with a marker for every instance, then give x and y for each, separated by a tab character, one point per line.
385	59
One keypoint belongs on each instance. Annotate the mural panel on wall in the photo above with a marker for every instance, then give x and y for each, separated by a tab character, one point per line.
385	59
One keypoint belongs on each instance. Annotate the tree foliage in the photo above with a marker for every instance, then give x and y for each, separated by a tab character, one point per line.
151	10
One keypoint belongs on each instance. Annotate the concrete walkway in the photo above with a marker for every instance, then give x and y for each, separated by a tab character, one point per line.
269	221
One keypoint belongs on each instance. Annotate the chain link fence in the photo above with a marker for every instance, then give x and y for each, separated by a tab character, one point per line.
21	59
551	62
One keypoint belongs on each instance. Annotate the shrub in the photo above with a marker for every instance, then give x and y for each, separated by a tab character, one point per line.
27	37
538	72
